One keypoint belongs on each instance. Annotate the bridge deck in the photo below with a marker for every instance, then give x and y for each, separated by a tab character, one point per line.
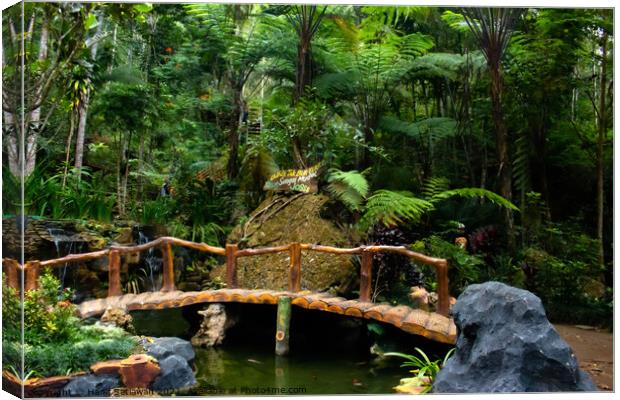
430	325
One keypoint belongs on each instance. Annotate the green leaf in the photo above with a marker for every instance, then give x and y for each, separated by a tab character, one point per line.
90	22
143	8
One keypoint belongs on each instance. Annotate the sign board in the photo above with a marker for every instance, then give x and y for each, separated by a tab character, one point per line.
294	180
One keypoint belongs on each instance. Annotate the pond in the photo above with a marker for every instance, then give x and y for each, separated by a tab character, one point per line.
330	354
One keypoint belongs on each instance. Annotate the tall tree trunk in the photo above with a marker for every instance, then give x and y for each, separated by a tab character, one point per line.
233	135
501	143
33	126
600	142
83	110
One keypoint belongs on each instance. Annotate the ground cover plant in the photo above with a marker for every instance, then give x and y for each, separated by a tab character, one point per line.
56	342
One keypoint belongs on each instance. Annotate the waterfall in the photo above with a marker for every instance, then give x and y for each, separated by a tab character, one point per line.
151	260
65	244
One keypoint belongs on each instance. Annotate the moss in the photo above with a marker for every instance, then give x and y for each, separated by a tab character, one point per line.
286	220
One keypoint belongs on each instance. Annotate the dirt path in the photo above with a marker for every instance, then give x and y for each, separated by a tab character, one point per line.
594	350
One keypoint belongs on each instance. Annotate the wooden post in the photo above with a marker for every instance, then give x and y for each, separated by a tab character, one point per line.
32	275
294	272
443	306
283	323
231	266
366	276
168	268
114	273
11	268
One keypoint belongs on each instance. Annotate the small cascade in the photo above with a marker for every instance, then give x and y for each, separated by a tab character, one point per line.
65	244
151	260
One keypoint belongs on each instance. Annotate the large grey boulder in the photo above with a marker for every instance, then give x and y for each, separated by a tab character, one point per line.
506	344
91	386
163	347
175	373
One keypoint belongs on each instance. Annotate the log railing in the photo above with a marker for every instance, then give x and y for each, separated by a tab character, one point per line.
232	253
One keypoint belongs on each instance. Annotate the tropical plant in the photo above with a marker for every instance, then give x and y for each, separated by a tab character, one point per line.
55	340
393	208
425	370
350	187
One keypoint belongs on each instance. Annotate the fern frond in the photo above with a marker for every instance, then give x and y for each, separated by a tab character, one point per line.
350	187
392	208
475	193
434	186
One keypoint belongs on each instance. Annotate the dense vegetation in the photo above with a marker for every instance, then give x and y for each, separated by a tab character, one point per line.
431	123
56	342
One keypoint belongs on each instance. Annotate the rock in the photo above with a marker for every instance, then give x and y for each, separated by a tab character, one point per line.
163	347
214	325
419	296
139	371
281	220
506	344
118	317
91	386
109	367
175	374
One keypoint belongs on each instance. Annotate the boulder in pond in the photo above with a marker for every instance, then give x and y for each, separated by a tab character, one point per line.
91	386
163	347
213	327
175	373
506	344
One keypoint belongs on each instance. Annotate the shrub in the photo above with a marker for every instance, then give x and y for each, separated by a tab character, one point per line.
56	342
464	269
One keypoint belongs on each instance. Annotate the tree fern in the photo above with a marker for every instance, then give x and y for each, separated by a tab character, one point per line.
350	187
475	193
393	208
434	186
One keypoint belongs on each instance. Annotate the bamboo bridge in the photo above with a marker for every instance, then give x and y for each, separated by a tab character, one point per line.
436	326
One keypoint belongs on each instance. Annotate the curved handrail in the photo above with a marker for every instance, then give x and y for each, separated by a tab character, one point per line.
231	252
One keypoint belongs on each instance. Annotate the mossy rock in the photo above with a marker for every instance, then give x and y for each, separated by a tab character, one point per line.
282	220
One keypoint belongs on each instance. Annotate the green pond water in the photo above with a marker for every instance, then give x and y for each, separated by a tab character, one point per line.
251	370
322	362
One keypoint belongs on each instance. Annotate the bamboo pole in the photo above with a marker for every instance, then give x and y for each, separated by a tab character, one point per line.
443	306
294	272
114	274
231	265
366	277
283	323
32	275
168	267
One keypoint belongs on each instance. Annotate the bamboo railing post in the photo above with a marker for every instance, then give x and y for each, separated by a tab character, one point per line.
294	272
366	276
231	265
168	268
283	323
11	268
443	306
32	275
114	273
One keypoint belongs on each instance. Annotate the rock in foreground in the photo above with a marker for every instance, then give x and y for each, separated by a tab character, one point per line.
506	344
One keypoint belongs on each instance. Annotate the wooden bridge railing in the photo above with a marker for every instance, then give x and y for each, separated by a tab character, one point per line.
232	253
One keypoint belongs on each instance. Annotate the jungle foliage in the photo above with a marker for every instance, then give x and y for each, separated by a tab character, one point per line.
429	126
